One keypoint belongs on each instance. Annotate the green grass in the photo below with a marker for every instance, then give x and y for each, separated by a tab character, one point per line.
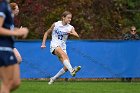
78	87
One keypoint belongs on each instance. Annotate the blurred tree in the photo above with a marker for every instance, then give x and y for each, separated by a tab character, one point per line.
92	19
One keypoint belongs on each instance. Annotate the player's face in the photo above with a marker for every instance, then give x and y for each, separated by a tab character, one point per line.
67	19
16	11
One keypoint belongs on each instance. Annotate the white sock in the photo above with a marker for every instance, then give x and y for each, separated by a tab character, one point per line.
60	73
68	65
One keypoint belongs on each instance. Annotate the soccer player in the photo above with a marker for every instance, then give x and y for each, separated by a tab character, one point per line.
60	32
15	11
9	68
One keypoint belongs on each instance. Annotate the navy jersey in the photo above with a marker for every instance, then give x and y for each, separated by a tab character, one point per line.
5	12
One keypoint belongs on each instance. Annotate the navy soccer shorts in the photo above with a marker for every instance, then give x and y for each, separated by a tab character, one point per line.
7	58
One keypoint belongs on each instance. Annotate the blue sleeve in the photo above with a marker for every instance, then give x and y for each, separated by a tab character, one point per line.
2	10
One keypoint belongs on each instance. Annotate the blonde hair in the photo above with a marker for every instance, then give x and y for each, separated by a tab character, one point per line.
132	27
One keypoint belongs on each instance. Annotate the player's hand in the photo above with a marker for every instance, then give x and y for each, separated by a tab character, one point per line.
22	32
43	46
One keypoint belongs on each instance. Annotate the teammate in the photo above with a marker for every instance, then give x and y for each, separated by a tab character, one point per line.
60	32
9	68
15	11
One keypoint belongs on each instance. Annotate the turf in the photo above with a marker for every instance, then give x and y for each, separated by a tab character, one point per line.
78	87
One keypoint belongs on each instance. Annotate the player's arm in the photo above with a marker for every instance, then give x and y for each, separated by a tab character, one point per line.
74	33
6	32
46	35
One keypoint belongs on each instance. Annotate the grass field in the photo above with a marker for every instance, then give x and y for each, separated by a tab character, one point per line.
78	87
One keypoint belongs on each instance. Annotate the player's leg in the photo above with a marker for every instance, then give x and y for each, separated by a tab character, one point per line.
6	75
8	72
16	77
76	68
60	73
64	59
9	82
17	54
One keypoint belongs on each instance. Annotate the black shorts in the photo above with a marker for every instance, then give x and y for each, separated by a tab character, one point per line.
7	58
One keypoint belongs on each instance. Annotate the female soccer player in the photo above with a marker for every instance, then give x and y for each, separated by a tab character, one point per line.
15	11
60	31
9	68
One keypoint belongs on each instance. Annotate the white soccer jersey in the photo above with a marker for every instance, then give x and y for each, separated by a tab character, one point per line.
59	34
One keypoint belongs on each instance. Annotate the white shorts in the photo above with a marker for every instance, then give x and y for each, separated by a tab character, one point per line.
53	47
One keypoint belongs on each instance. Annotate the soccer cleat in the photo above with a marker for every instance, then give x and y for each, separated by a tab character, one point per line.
51	81
73	73
75	70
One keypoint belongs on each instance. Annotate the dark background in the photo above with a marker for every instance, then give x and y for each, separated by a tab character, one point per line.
92	19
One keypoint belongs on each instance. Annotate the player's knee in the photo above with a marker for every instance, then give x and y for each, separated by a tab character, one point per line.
7	83
15	84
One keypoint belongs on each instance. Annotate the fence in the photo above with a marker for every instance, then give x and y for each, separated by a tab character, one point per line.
99	59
